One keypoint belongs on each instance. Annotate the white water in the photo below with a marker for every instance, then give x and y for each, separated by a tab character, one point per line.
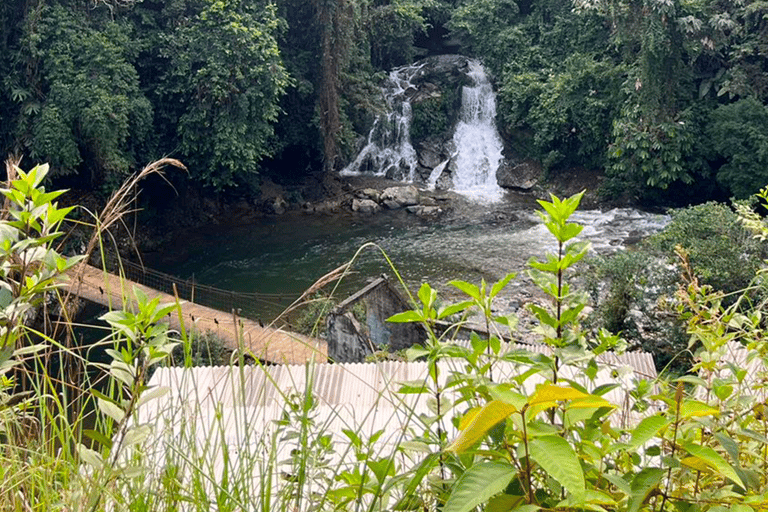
478	143
388	150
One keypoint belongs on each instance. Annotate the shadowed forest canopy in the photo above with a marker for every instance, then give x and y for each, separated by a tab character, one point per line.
664	96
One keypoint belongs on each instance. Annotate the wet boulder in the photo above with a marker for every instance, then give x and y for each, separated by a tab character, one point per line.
524	175
366	206
400	197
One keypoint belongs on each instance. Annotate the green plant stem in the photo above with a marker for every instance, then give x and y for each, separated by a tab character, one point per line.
528	480
678	400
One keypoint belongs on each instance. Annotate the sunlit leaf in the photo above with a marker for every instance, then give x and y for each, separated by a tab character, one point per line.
715	461
491	413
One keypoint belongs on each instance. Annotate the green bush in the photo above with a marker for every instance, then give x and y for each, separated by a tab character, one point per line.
722	252
738	133
434	116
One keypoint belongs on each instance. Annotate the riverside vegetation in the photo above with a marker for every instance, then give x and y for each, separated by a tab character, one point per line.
553	447
666	97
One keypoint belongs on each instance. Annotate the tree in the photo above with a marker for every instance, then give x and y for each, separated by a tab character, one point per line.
215	74
78	93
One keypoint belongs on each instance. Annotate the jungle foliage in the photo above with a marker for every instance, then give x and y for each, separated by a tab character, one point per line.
657	93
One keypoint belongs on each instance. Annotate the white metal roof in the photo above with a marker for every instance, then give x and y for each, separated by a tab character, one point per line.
225	417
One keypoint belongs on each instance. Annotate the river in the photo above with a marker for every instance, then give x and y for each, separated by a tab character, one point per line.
286	254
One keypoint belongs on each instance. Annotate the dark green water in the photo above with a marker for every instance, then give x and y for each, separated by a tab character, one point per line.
287	254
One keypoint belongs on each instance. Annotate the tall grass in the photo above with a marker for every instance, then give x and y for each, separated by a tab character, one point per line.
133	434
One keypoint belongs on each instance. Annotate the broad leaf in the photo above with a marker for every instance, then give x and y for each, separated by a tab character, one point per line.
694	408
642	485
406	316
556	456
714	460
647	430
501	284
478	484
491	414
468	288
551	393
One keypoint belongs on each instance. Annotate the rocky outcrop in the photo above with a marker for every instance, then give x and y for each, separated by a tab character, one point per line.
366	206
368	201
522	176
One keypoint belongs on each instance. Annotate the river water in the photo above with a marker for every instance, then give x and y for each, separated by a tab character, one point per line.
286	254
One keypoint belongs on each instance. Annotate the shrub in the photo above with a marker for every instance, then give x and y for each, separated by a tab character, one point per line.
721	251
738	133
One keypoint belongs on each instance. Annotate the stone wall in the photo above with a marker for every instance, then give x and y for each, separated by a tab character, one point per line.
357	327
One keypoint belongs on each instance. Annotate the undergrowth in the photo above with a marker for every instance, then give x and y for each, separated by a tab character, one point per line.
480	424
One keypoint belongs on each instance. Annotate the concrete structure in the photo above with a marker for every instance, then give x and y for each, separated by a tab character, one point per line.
351	338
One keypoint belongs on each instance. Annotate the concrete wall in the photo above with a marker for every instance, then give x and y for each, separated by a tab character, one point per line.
349	340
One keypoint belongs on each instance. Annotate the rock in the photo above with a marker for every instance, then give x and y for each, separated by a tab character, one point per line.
330	206
424	211
368	193
444	182
399	197
428	201
366	206
523	176
276	205
430	153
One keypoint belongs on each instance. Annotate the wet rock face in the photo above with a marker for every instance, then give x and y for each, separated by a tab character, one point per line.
522	176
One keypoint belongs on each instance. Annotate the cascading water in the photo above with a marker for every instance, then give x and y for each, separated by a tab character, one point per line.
388	151
478	144
470	159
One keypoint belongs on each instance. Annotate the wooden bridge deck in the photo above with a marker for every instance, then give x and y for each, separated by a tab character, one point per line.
265	343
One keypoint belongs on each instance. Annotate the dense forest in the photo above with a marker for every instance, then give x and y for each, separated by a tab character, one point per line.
668	97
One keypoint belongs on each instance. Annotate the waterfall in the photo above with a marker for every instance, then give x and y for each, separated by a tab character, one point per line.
388	151
478	144
473	155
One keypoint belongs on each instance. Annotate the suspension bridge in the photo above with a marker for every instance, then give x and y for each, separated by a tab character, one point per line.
203	309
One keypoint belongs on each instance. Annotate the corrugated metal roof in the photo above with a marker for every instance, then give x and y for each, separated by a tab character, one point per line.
240	406
754	381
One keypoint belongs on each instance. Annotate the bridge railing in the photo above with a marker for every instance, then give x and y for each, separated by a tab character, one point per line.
249	305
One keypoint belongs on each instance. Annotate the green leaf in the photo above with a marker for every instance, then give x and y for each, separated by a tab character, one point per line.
714	460
111	409
406	316
468	288
151	394
97	436
731	447
453	309
500	285
427	295
507	503
646	430
478	484
90	457
642	485
491	414
556	456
